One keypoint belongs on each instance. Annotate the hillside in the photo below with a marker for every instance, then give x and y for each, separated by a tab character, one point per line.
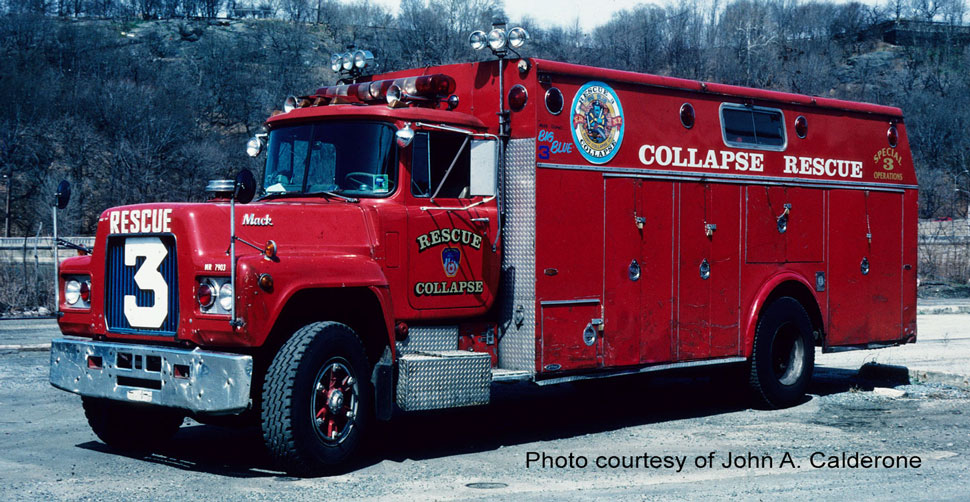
133	111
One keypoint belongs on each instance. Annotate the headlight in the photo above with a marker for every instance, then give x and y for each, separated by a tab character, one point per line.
72	292
254	146
362	59
496	39
290	104
518	37
477	40
335	62
347	61
225	297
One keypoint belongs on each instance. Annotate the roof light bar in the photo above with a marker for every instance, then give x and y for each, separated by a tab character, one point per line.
499	40
423	88
352	62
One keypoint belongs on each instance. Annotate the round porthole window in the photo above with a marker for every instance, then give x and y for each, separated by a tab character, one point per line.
801	127
687	115
554	101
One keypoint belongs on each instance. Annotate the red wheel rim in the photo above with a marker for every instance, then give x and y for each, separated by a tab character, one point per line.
334	403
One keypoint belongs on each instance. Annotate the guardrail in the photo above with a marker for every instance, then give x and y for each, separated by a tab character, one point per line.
36	249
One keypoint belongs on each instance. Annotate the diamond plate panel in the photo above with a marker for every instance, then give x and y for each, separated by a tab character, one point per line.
518	341
445	379
425	338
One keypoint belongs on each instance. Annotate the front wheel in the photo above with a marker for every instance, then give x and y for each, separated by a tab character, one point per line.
317	399
783	357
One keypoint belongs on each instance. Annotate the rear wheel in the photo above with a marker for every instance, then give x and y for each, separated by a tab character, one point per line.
783	357
317	399
131	426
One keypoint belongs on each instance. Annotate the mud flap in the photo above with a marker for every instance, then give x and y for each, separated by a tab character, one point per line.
383	381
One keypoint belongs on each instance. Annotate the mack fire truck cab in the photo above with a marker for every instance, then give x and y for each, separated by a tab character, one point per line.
410	247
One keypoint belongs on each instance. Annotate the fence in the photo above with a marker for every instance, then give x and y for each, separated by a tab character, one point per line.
27	271
26	263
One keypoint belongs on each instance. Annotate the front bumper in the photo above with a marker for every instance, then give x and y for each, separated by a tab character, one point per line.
195	380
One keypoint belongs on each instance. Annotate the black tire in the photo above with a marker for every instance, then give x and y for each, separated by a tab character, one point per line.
305	442
131	426
783	356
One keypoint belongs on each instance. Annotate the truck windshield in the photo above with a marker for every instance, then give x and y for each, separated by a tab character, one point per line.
350	158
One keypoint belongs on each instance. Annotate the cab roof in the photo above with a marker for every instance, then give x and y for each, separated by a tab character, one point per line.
375	112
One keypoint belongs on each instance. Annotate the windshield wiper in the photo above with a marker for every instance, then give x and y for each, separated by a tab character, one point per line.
288	195
335	194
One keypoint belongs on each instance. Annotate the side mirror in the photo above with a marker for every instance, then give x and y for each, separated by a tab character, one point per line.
484	168
63	194
245	188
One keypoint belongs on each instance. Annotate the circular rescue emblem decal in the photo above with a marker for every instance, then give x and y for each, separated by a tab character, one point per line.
597	122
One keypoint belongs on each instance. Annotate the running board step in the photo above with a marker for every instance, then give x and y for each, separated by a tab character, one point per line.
431	380
503	375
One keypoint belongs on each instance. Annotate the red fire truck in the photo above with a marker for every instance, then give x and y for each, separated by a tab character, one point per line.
422	234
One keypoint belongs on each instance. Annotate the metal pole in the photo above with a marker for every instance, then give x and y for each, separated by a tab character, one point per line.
503	141
232	258
6	212
57	276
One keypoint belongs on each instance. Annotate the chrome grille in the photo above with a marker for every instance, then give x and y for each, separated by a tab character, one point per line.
120	283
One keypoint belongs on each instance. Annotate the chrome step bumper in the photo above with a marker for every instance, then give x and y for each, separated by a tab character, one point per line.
195	380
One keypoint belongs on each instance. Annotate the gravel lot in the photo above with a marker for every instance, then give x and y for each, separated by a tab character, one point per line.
47	451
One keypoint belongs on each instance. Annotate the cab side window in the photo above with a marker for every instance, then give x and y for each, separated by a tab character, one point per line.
432	154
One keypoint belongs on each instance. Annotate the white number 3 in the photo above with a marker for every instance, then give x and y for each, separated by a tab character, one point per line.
147	278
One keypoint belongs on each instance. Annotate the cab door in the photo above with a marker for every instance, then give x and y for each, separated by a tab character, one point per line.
451	259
